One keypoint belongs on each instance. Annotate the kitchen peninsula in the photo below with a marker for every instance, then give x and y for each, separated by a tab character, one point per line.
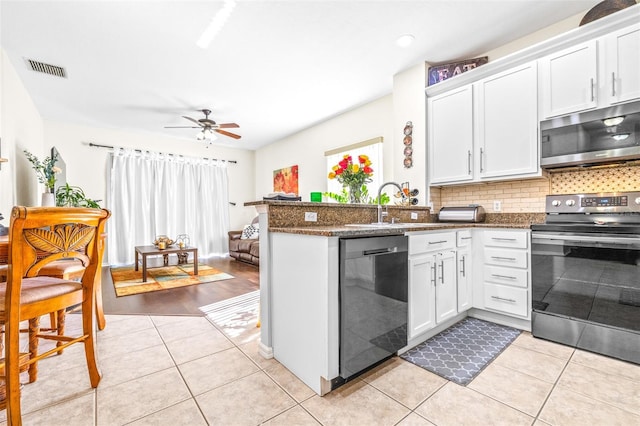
299	277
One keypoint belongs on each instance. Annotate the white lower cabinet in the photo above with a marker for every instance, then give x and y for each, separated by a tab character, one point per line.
506	272
465	270
432	281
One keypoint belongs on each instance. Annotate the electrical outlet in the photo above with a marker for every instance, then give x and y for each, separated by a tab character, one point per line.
414	216
497	206
310	216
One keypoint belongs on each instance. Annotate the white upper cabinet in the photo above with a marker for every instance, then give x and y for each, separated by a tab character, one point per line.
450	122
507	123
593	74
621	81
487	130
570	80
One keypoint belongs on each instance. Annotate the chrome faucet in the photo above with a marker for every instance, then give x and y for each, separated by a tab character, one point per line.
380	194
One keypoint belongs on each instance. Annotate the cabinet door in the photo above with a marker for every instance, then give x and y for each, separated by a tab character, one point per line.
451	136
446	286
569	80
507	123
621	81
465	282
422	270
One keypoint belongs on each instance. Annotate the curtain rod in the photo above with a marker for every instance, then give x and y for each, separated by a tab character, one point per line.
175	155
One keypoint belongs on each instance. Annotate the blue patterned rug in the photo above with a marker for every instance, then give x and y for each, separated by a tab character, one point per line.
463	350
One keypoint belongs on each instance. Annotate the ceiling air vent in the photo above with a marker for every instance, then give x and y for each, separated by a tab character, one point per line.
46	68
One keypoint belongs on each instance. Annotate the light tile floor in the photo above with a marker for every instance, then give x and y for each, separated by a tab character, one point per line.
173	370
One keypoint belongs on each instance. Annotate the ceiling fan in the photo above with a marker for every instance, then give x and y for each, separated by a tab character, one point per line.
208	126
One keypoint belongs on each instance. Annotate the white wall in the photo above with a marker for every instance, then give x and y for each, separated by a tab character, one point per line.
409	104
87	166
21	127
307	148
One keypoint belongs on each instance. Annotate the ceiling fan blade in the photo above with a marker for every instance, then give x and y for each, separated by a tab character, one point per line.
231	135
194	120
181	127
227	125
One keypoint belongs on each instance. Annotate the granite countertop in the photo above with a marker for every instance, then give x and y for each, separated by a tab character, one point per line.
396	229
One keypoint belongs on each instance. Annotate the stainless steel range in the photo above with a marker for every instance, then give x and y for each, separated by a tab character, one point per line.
586	273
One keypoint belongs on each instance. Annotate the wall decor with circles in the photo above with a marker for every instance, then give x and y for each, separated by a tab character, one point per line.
408	145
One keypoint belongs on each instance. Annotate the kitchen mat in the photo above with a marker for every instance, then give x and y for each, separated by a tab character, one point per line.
462	351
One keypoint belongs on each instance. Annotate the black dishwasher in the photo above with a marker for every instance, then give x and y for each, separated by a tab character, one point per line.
373	301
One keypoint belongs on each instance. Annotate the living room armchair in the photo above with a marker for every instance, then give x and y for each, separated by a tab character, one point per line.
245	245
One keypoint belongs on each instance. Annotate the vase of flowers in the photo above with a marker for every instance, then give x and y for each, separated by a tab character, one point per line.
46	172
353	176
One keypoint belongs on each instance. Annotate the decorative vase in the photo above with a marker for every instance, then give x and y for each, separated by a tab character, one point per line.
48	199
355	193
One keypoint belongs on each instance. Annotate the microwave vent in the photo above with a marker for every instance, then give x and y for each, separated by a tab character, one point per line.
46	68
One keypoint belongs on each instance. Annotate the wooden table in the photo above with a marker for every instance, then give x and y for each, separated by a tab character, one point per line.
146	251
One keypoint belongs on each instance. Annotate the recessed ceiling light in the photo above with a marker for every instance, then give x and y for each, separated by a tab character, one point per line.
621	136
216	24
613	121
405	40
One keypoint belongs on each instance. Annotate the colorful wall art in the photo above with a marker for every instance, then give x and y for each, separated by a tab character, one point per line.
286	180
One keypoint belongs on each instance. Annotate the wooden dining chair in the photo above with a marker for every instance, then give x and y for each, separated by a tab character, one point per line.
39	236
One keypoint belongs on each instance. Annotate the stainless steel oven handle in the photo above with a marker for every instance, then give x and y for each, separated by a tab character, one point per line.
560	239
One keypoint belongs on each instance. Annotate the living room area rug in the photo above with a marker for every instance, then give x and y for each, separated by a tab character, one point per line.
462	351
127	281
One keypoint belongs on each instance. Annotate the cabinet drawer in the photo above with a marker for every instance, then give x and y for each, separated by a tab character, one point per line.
506	239
424	243
463	238
509	300
502	257
508	276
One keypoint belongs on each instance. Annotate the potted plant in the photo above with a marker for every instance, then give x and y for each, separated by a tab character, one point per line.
46	172
73	196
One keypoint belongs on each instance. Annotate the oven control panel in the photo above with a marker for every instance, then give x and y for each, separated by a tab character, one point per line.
617	202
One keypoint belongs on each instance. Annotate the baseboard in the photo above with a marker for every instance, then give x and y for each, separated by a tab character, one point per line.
265	351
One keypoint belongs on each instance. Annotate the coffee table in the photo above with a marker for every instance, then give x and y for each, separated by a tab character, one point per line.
146	251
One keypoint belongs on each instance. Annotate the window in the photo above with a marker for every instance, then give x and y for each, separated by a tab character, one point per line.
371	148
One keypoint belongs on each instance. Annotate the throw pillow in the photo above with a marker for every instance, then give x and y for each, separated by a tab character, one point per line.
250	232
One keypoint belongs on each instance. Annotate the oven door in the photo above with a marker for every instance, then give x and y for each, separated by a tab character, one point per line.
592	282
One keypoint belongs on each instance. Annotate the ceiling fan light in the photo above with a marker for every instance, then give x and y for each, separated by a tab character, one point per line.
613	121
200	136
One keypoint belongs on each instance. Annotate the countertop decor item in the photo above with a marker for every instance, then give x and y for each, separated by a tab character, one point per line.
353	176
45	170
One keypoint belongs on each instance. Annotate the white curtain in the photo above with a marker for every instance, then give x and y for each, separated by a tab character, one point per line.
153	194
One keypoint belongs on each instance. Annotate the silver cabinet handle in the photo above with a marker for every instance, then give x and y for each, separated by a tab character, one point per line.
592	93
506	277
503	239
437	242
502	299
465	238
503	258
613	84
469	161
481	162
463	271
433	269
442	271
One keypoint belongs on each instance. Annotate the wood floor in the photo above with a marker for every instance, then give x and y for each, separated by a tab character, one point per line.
183	300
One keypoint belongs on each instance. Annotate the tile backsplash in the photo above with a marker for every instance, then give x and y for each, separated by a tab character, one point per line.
517	196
